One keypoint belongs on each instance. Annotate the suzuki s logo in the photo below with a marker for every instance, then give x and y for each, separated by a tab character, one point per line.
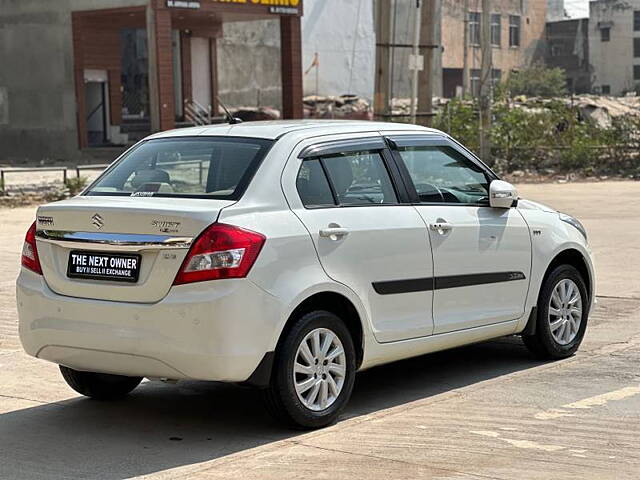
97	221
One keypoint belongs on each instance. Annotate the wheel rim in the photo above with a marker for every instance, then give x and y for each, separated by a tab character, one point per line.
565	311
319	369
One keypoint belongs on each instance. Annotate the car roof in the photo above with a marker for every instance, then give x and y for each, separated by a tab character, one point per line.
274	129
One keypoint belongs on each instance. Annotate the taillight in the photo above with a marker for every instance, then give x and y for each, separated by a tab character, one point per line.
221	251
30	258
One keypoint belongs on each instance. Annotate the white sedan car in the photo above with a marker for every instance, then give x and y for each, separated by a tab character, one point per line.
288	256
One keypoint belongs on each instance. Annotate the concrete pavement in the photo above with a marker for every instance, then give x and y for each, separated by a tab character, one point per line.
611	213
484	411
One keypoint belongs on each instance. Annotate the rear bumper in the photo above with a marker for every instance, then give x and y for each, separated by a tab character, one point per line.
218	330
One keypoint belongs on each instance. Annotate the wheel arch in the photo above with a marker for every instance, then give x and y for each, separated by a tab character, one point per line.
576	259
569	256
337	304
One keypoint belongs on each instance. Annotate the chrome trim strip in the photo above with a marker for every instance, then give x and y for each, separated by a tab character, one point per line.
114	239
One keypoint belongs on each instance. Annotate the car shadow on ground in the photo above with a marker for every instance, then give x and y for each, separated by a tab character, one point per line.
160	426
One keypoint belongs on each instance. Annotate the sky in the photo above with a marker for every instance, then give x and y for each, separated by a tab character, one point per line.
577	8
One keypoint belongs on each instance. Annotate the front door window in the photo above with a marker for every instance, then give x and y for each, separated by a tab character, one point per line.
443	175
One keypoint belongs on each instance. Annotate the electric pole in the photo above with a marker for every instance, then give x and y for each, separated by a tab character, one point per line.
416	60
382	100
427	75
485	82
465	51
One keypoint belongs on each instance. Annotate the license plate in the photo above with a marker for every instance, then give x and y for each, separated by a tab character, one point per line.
104	266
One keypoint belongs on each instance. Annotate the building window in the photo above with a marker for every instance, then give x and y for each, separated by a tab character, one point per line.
474	28
514	30
636	72
557	49
636	47
496	77
605	34
636	21
474	79
606	89
496	29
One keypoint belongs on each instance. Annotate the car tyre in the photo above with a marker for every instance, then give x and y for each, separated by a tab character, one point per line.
99	386
544	343
284	399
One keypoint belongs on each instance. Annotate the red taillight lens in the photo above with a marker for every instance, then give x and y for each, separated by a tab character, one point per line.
30	251
221	251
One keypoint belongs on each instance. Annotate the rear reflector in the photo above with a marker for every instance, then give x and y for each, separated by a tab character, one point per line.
221	251
30	258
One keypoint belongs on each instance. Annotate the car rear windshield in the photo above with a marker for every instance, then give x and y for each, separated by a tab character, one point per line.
202	167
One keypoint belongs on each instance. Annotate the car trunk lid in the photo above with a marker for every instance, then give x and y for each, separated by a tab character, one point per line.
155	231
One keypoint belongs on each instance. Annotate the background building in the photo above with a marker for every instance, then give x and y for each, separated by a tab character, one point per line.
517	37
86	73
94	73
614	45
568	48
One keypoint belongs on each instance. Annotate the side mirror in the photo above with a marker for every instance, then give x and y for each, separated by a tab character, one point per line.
502	194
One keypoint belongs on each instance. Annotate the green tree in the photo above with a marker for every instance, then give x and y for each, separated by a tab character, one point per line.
459	118
536	81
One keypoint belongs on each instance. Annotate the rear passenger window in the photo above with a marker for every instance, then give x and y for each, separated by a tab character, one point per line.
313	186
360	178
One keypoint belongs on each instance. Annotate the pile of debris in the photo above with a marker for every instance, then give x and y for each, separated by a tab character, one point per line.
600	110
347	107
254	114
33	194
402	106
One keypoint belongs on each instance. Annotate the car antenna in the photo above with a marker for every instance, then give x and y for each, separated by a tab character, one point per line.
230	118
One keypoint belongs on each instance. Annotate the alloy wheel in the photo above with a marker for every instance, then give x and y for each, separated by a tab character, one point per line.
319	369
565	311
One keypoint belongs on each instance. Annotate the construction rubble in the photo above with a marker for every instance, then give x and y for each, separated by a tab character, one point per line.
350	107
599	109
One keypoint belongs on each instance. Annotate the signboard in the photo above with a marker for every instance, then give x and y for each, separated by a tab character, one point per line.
284	10
281	7
416	62
193	5
275	3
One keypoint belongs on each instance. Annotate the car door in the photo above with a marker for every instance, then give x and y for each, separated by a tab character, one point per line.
346	194
481	255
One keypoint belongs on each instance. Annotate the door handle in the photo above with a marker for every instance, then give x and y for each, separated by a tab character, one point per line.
334	232
441	227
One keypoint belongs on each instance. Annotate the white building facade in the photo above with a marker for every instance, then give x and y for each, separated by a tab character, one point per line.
614	46
339	35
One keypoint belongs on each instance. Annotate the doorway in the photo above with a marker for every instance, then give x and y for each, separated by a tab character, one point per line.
96	107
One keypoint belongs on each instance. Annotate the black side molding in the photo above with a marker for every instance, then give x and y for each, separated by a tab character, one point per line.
261	376
403	286
392	287
477	279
